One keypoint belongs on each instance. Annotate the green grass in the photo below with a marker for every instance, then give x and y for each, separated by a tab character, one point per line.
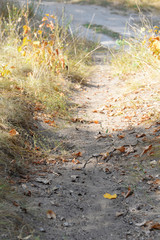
101	29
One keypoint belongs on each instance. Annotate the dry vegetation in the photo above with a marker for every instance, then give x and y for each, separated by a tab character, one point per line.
37	68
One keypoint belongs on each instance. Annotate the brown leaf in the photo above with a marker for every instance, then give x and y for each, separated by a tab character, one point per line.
51	214
75	161
152	225
121	136
78	154
121	149
146	149
13	132
15	204
140	135
129	193
157	182
155	226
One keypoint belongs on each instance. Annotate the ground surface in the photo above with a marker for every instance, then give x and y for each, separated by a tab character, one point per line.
108	149
108	146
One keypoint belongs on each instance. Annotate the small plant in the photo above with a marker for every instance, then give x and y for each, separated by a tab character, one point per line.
42	45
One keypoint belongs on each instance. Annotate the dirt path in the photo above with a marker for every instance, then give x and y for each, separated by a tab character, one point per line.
103	138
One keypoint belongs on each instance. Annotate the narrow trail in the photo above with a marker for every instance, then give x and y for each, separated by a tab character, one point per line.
105	143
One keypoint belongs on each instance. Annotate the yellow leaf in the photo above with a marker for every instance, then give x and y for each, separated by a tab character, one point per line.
26	29
109	196
47	14
24	53
39	32
44	19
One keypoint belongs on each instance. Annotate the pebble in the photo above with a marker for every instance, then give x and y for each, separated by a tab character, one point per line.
42	229
66	224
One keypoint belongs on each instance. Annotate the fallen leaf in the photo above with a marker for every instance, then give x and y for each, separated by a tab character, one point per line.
96	122
109	196
95	111
129	150
78	154
146	149
128	117
129	193
101	136
155	226
15	204
51	214
121	149
121	136
140	135
75	161
13	132
157	182
105	155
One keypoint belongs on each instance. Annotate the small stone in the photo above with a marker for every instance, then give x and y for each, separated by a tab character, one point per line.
74	177
24	186
66	224
57	187
154	162
43	180
42	229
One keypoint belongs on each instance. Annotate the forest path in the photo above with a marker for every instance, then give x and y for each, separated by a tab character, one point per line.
101	151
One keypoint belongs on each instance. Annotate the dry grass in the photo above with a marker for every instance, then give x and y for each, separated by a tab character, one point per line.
29	83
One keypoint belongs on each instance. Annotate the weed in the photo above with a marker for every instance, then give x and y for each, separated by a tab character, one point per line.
101	29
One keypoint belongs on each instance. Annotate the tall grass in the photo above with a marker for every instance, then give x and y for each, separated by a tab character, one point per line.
37	68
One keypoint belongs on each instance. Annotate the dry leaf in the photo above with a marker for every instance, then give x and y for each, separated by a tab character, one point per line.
140	135
15	204
129	193
152	225
109	196
129	150
121	149
79	154
121	136
156	226
157	182
96	122
146	149
51	214
105	155
13	132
